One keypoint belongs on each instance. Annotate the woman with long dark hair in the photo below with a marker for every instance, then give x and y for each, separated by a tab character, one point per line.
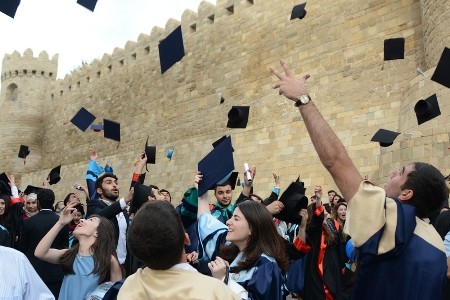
89	263
5	225
254	253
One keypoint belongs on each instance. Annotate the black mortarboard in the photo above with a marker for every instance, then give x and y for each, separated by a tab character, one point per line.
111	130
385	137
140	195
238	117
97	127
219	141
89	4
82	119
216	165
171	49
230	179
298	11
442	72
394	49
427	109
5	187
53	176
23	151
150	151
294	200
31	189
9	7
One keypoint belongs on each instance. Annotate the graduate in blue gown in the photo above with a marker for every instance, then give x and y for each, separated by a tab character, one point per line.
249	245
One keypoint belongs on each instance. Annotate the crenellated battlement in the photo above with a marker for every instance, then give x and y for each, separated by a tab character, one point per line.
145	49
15	65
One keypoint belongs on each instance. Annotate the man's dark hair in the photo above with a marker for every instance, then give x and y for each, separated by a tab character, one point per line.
153	187
156	235
221	184
67	198
429	189
165	191
46	198
331	191
99	181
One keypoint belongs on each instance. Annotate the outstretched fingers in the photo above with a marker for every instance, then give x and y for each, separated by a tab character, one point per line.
286	68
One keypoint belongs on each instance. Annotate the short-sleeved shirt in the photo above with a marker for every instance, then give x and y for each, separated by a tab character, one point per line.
401	256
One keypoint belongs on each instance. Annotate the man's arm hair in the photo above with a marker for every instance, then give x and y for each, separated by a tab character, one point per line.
331	151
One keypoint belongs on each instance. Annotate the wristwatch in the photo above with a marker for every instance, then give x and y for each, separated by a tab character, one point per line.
303	99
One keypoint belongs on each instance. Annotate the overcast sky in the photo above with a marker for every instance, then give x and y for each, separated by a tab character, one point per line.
77	34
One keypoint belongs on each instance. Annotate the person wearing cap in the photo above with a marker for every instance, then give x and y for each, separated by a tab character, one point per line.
34	229
109	206
167	273
388	226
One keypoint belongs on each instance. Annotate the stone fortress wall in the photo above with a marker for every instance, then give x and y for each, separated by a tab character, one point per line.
229	49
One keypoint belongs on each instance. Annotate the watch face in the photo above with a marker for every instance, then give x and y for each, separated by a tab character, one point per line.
304	99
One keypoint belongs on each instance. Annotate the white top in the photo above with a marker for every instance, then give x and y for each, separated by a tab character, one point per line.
18	279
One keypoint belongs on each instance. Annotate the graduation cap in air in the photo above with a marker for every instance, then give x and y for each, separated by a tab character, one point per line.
222	99
171	49
441	74
216	165
82	119
23	151
89	4
111	130
5	188
427	109
31	189
150	151
294	200
230	179
238	117
54	175
385	137
298	11
216	143
394	49
170	153
140	195
9	7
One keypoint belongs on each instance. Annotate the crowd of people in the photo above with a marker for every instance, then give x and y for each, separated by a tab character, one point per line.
137	245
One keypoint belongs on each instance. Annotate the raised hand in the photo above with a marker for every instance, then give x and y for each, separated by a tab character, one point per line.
68	213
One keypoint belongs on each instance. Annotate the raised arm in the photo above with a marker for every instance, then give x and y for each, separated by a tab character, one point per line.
43	250
203	202
330	149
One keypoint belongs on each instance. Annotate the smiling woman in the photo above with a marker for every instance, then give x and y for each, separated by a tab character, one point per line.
89	263
256	256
